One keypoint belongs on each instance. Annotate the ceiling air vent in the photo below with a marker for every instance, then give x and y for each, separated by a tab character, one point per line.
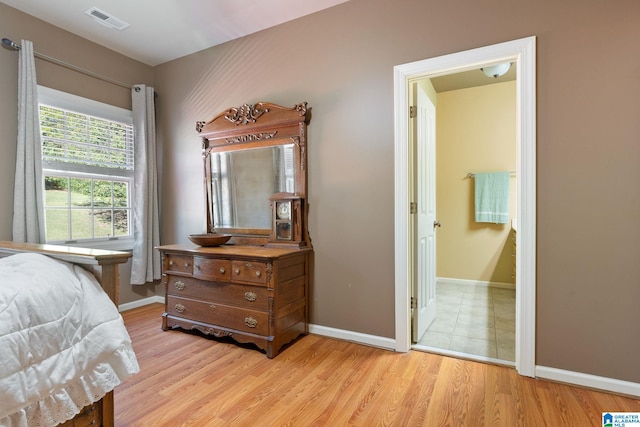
106	19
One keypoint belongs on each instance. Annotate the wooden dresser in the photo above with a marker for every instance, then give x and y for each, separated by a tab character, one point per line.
255	288
252	294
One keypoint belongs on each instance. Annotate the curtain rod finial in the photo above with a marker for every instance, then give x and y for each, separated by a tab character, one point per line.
9	44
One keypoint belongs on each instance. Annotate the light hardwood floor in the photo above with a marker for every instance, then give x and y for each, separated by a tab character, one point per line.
188	380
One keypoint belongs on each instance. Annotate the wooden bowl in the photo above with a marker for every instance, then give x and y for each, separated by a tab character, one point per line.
210	239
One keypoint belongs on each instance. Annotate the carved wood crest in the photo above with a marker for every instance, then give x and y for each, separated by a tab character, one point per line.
245	114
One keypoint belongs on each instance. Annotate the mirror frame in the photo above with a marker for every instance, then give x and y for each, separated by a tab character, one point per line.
254	126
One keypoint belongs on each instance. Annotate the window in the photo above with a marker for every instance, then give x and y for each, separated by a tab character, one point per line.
87	162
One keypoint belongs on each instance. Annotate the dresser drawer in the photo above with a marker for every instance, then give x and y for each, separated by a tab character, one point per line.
249	272
178	263
242	319
255	297
212	269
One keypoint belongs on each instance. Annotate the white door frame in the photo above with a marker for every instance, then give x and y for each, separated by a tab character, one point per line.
523	53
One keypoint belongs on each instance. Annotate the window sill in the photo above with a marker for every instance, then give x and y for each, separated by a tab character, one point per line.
111	245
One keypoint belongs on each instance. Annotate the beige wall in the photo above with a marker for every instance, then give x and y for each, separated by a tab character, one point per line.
62	45
476	132
341	61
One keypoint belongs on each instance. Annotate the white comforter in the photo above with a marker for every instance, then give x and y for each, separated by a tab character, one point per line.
63	344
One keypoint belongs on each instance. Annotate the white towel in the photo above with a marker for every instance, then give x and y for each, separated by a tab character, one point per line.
492	197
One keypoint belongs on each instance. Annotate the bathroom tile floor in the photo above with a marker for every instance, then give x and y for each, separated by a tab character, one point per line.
474	320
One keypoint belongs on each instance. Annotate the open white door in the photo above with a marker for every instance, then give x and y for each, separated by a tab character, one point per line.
425	283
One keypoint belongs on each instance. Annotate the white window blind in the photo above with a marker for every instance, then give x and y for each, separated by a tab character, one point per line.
84	141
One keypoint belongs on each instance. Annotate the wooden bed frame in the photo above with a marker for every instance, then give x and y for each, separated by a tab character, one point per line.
104	265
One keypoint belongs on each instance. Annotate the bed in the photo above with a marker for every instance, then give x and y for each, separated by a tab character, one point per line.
63	345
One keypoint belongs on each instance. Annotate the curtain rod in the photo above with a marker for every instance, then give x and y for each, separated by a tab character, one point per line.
9	44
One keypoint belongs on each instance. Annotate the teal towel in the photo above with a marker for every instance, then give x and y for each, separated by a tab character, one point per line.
492	197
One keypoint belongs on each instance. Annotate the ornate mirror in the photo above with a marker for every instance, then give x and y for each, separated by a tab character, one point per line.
250	153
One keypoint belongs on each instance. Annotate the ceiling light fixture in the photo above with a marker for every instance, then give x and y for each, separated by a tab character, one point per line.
106	19
497	70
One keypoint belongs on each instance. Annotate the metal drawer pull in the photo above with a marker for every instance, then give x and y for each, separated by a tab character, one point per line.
250	322
186	264
180	308
180	285
171	262
237	271
250	296
258	273
222	270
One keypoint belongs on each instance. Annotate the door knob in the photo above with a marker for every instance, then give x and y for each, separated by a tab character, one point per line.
436	224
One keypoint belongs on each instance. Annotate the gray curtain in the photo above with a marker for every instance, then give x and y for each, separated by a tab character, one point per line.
28	202
145	263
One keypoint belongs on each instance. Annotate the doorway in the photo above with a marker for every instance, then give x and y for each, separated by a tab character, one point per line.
475	130
522	53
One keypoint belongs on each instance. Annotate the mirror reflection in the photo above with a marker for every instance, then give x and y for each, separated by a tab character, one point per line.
242	182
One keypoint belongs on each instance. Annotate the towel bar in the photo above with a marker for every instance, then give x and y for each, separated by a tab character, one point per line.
471	175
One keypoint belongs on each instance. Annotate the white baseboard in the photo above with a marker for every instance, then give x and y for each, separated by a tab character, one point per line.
590	381
141	302
452	281
357	337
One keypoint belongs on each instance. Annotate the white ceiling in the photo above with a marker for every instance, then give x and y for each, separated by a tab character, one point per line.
162	30
467	79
